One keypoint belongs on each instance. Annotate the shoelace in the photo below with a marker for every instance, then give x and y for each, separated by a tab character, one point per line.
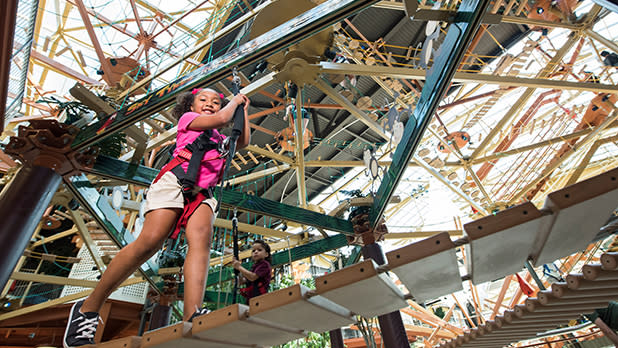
87	327
204	311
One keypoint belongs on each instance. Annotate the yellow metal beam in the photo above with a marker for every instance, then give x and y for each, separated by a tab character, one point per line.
506	81
270	154
54	237
247	228
49	279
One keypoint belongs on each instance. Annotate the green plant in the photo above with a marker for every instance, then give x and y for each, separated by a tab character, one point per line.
366	327
313	340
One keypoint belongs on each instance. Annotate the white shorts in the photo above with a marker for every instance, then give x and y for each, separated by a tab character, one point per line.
167	193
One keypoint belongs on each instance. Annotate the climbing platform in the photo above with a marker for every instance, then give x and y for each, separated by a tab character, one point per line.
318	313
232	325
428	268
579	211
496	246
500	244
365	282
579	294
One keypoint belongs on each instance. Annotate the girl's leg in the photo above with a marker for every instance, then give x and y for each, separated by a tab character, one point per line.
157	225
199	236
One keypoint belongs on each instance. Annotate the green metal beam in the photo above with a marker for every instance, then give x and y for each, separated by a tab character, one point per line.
292	31
120	170
264	206
447	59
354	256
109	167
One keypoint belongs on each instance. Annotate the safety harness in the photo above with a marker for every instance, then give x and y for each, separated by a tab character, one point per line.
194	154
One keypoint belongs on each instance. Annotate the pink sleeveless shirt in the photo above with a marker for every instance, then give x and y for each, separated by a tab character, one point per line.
209	170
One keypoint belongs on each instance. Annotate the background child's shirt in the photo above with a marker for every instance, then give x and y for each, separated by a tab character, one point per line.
209	170
259	286
263	270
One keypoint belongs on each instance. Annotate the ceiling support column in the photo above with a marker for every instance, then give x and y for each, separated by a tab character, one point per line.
22	204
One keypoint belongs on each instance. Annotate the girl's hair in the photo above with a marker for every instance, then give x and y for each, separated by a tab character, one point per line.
184	101
268	258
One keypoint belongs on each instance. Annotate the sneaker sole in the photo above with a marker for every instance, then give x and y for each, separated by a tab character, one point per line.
66	329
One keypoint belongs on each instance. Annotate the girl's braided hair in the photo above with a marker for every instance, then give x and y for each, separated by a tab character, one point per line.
184	101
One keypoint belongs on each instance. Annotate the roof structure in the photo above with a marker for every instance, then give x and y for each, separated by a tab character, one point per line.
424	115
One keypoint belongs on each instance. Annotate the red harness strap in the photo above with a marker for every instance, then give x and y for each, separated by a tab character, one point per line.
189	205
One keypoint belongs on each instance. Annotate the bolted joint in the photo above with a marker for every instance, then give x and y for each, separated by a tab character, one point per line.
47	143
363	233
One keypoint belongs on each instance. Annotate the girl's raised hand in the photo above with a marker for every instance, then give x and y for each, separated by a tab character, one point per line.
240	99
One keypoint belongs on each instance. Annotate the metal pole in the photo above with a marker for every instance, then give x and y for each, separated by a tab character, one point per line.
22	204
236	255
160	316
536	278
391	324
336	339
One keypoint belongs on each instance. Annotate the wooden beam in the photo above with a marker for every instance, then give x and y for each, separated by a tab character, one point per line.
49	279
505	287
107	69
62	69
254	229
54	237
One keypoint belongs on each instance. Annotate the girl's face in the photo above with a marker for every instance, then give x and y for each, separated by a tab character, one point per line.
258	252
206	102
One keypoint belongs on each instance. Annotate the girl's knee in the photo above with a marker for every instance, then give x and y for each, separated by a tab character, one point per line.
201	235
147	246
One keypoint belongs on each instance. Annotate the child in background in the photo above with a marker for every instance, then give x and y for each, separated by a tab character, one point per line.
169	205
258	278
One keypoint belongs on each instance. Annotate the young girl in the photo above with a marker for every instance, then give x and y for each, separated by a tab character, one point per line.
199	111
259	276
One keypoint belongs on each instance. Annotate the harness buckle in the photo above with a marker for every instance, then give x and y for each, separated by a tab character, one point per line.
185	154
224	147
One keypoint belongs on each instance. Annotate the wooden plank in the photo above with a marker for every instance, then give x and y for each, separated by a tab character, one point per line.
173	336
580	210
500	244
428	268
361	289
283	307
234	327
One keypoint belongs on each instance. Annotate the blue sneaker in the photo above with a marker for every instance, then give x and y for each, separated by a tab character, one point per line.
81	327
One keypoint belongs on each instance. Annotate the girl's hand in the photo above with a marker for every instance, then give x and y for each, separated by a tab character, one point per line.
247	102
240	99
